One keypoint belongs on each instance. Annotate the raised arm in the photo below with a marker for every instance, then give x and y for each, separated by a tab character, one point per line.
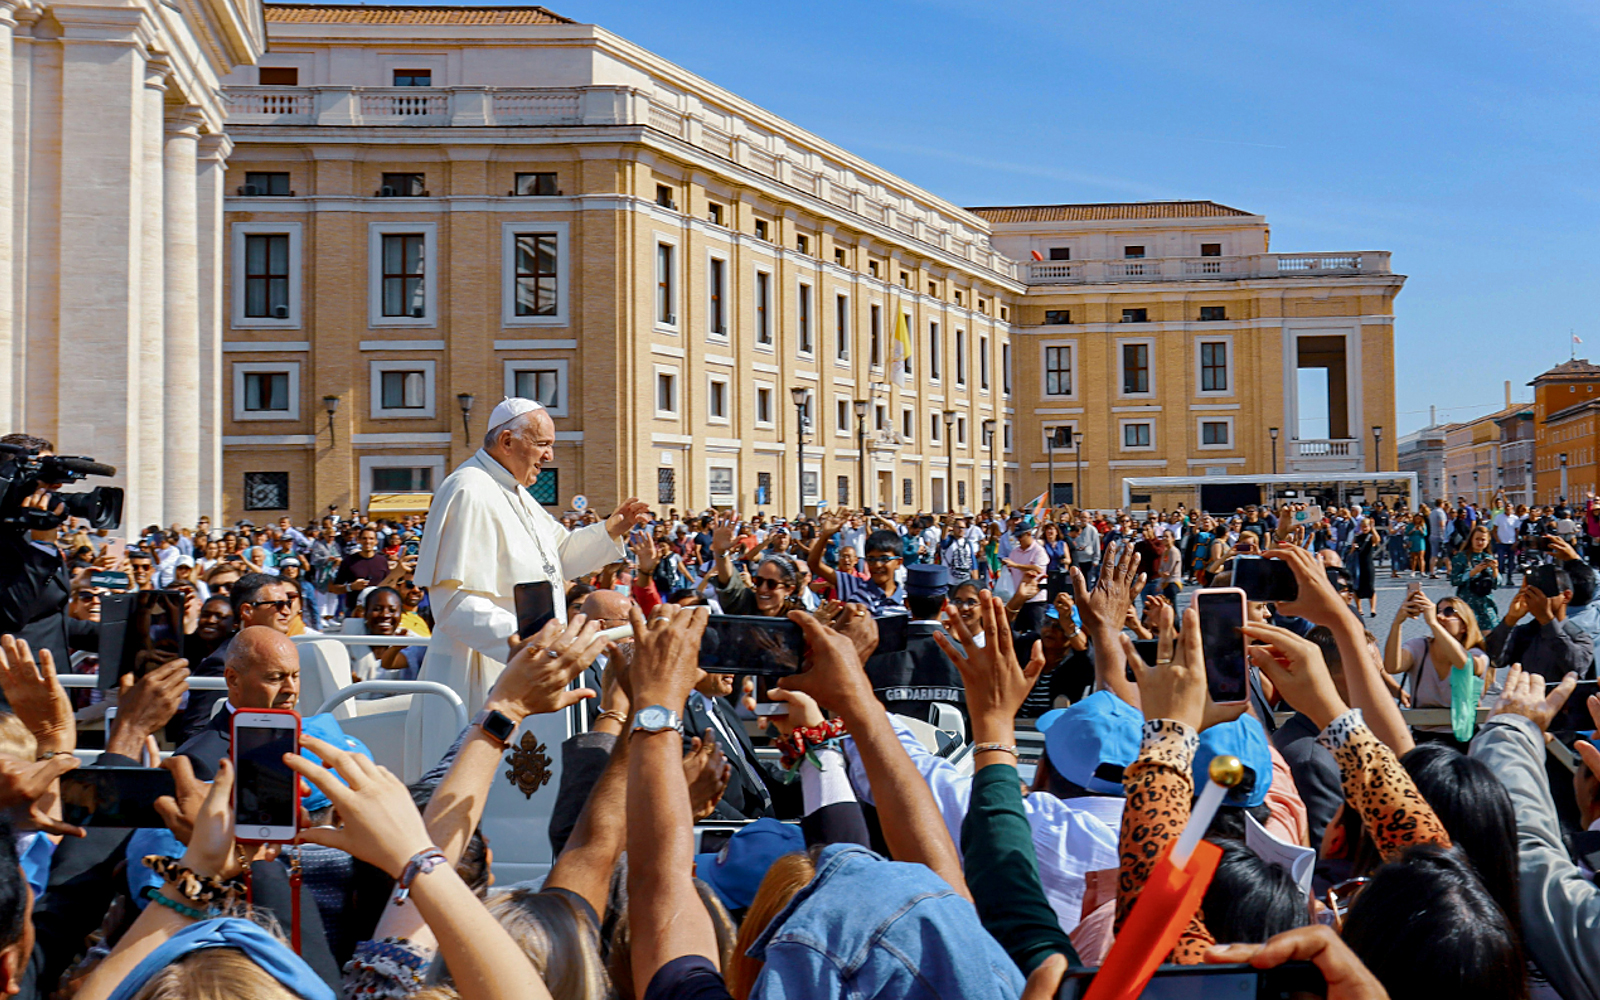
829	526
1103	610
1396	659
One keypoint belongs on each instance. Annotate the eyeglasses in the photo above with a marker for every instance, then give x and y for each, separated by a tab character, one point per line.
1447	612
964	603
87	596
284	605
881	560
767	583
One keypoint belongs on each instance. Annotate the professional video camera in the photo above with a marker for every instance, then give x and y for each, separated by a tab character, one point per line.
24	470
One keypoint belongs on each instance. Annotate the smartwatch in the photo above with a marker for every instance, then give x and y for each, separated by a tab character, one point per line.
655	719
496	725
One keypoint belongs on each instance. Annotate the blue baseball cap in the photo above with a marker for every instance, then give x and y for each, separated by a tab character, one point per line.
326	729
1245	739
927	580
736	871
1091	743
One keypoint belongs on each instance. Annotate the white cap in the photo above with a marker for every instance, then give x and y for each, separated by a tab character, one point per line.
511	408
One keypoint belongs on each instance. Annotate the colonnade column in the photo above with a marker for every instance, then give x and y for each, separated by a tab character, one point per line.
147	480
11	395
209	243
181	358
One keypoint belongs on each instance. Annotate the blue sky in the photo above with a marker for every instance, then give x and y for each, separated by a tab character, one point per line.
1460	136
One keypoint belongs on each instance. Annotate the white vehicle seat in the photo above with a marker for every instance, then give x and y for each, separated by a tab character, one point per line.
324	670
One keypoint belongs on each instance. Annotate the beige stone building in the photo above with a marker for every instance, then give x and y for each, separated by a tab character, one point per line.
430	208
110	236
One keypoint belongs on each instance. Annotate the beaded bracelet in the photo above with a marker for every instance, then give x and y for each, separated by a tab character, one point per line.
194	887
800	743
424	861
392	967
153	894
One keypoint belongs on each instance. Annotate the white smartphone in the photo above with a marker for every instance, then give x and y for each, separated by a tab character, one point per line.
1311	515
266	794
1414	587
1222	614
765	707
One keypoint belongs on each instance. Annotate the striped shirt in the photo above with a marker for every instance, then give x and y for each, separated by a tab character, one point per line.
863	591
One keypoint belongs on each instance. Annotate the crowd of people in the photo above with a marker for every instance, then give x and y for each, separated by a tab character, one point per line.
1401	860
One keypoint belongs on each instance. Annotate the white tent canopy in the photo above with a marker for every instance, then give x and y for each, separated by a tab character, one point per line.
1339	484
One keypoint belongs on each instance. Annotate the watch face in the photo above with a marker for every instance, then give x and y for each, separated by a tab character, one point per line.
654	717
499	726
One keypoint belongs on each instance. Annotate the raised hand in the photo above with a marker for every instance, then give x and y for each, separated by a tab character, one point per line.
381	824
833	674
707	772
146	705
853	621
996	683
211	841
666	653
1296	668
1524	695
1106	606
23	783
803	710
722	537
1317	601
36	697
179	811
644	551
1176	689
536	677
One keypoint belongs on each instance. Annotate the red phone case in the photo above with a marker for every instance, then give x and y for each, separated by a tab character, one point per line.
240	834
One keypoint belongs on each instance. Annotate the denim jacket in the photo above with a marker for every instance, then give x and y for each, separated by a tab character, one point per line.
869	927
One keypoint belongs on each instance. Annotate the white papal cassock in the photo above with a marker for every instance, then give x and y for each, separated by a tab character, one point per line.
485	534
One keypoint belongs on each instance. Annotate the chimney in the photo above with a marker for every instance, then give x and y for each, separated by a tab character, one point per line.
1508	394
1433	416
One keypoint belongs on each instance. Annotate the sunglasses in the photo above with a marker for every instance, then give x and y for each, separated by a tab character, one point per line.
1340	897
1447	612
881	560
87	596
767	583
283	605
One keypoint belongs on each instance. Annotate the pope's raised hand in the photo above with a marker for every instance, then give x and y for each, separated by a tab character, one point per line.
625	518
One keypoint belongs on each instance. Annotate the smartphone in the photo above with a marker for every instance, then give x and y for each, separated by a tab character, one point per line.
1412	588
266	794
1203	982
139	632
765	706
412	548
1311	515
115	797
116	548
1540	578
1264	579
892	633
536	607
752	644
1222	614
108	579
1149	650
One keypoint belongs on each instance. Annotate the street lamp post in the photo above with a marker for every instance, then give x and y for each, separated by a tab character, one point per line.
798	394
1050	453
1563	495
994	484
1477	497
331	404
1077	474
1377	448
1272	491
949	461
861	449
465	399
1527	481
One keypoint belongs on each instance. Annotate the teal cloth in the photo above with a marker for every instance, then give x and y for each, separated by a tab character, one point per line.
1466	688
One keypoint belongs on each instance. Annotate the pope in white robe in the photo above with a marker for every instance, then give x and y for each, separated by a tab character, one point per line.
485	534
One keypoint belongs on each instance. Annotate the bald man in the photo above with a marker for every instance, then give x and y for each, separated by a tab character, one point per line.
262	670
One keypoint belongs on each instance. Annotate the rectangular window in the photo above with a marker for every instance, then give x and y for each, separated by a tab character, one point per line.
266	392
908	420
961	494
983	306
961	431
714	213
1214	367
838	256
403	390
1136	435
961	358
1005	369
1006	437
1211	314
1057	317
841	415
666	485
763	307
905	279
666	392
1005	314
266	491
841	327
958	298
1060	253
908	492
397	479
843	493
266	183
1133	253
279	76
803	319
911	341
666	299
802	243
536	185
546	488
983	363
934	433
763	488
876	336
1135	368
872	268
541	384
761	229
1058	371
1211	249
935	356
720	480
717	292
404	186
404	290
717	400
536	274
763	405
1214	432
266	276
880	418
1136	315
664	196
413	78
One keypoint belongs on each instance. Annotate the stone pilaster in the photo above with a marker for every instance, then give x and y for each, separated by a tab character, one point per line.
211	313
152	297
11	374
181	305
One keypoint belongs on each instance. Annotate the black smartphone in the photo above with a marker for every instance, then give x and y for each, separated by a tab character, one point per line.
1203	982
752	644
1540	578
139	631
412	548
1148	650
120	797
536	607
1222	615
1264	579
892	633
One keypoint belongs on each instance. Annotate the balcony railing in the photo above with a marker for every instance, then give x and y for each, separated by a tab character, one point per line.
1265	265
1331	448
434	106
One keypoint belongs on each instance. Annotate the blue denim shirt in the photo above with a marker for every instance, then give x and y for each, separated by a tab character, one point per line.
869	927
1588	619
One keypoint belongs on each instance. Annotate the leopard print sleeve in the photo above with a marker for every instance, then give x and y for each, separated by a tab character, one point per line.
1394	812
1159	790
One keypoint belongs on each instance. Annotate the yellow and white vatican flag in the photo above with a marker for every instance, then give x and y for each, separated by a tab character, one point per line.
900	352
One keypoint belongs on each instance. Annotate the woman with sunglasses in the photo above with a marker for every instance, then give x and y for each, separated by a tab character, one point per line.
773	585
1451	661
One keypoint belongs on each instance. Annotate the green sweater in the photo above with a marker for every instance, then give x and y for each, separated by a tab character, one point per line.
1003	872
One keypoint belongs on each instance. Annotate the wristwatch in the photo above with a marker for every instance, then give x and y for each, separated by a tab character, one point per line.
496	725
655	719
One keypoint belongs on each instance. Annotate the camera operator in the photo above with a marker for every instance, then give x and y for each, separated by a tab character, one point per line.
34	583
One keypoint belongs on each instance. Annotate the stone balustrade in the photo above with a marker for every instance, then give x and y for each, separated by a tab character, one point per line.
1266	265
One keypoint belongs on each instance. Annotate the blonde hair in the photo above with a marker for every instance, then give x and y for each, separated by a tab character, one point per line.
214	974
15	739
1472	637
563	945
787	876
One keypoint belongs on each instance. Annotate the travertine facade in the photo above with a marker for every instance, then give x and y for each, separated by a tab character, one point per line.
110	212
431	203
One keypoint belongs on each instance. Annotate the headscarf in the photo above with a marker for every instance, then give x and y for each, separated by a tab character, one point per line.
272	955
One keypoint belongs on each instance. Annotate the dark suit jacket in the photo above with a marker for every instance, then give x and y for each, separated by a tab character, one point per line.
754	789
195	716
207	747
34	587
909	681
1316	773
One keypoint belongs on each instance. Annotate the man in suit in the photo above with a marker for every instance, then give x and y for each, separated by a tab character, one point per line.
257	599
262	671
754	789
